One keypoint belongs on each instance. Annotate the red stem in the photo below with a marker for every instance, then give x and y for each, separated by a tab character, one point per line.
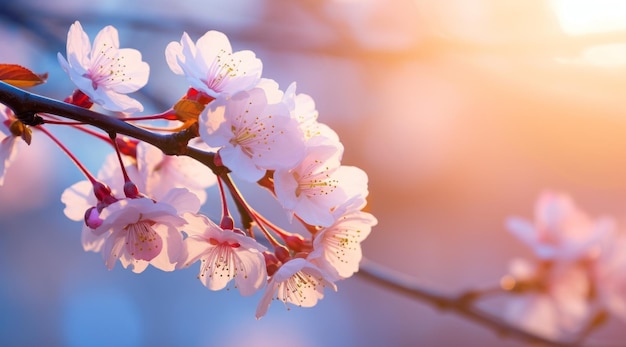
80	166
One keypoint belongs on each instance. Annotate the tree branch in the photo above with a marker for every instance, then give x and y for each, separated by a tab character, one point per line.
461	305
25	105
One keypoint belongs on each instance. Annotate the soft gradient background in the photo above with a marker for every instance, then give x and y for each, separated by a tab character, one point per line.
461	111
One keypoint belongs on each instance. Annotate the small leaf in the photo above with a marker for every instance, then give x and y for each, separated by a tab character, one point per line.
27	135
188	111
18	128
19	76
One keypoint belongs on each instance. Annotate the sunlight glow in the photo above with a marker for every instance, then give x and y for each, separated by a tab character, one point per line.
590	16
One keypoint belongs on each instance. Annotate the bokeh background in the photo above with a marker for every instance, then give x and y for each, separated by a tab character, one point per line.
461	112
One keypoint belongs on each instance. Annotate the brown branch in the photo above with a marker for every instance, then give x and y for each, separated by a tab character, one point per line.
461	304
26	105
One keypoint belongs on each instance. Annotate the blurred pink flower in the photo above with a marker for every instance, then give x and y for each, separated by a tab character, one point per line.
225	255
155	173
104	72
211	66
8	141
560	230
297	282
609	274
551	300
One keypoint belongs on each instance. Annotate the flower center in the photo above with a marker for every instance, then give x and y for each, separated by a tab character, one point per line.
142	242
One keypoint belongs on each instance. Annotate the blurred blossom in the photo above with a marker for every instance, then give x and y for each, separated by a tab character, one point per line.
8	140
610	275
555	302
561	231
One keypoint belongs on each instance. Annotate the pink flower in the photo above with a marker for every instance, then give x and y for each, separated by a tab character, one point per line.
211	66
561	230
104	72
160	173
337	248
253	136
303	109
297	282
139	232
155	173
318	184
8	141
142	231
549	299
225	255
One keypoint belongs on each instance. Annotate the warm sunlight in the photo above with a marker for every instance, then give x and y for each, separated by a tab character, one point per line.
590	16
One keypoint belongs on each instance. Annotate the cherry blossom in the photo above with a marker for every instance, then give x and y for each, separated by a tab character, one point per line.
155	173
318	184
337	248
8	140
104	72
142	231
303	109
138	231
225	255
210	65
549	299
561	230
253	136
298	282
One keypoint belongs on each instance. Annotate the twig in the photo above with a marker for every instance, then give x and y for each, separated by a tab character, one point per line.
403	284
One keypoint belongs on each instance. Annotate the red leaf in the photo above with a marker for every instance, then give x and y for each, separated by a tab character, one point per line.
20	76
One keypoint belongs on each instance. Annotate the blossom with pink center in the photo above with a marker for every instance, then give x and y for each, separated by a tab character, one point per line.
297	282
141	232
318	184
549	299
252	135
337	248
225	255
560	230
8	141
210	65
104	72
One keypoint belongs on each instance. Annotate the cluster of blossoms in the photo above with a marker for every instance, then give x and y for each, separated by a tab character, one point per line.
142	207
579	275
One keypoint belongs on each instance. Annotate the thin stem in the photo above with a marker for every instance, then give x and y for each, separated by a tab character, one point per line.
248	211
80	166
113	141
167	115
220	185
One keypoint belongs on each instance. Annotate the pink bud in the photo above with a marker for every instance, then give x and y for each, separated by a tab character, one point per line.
92	218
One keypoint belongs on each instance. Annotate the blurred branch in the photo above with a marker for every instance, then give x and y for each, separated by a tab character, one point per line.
461	304
271	34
